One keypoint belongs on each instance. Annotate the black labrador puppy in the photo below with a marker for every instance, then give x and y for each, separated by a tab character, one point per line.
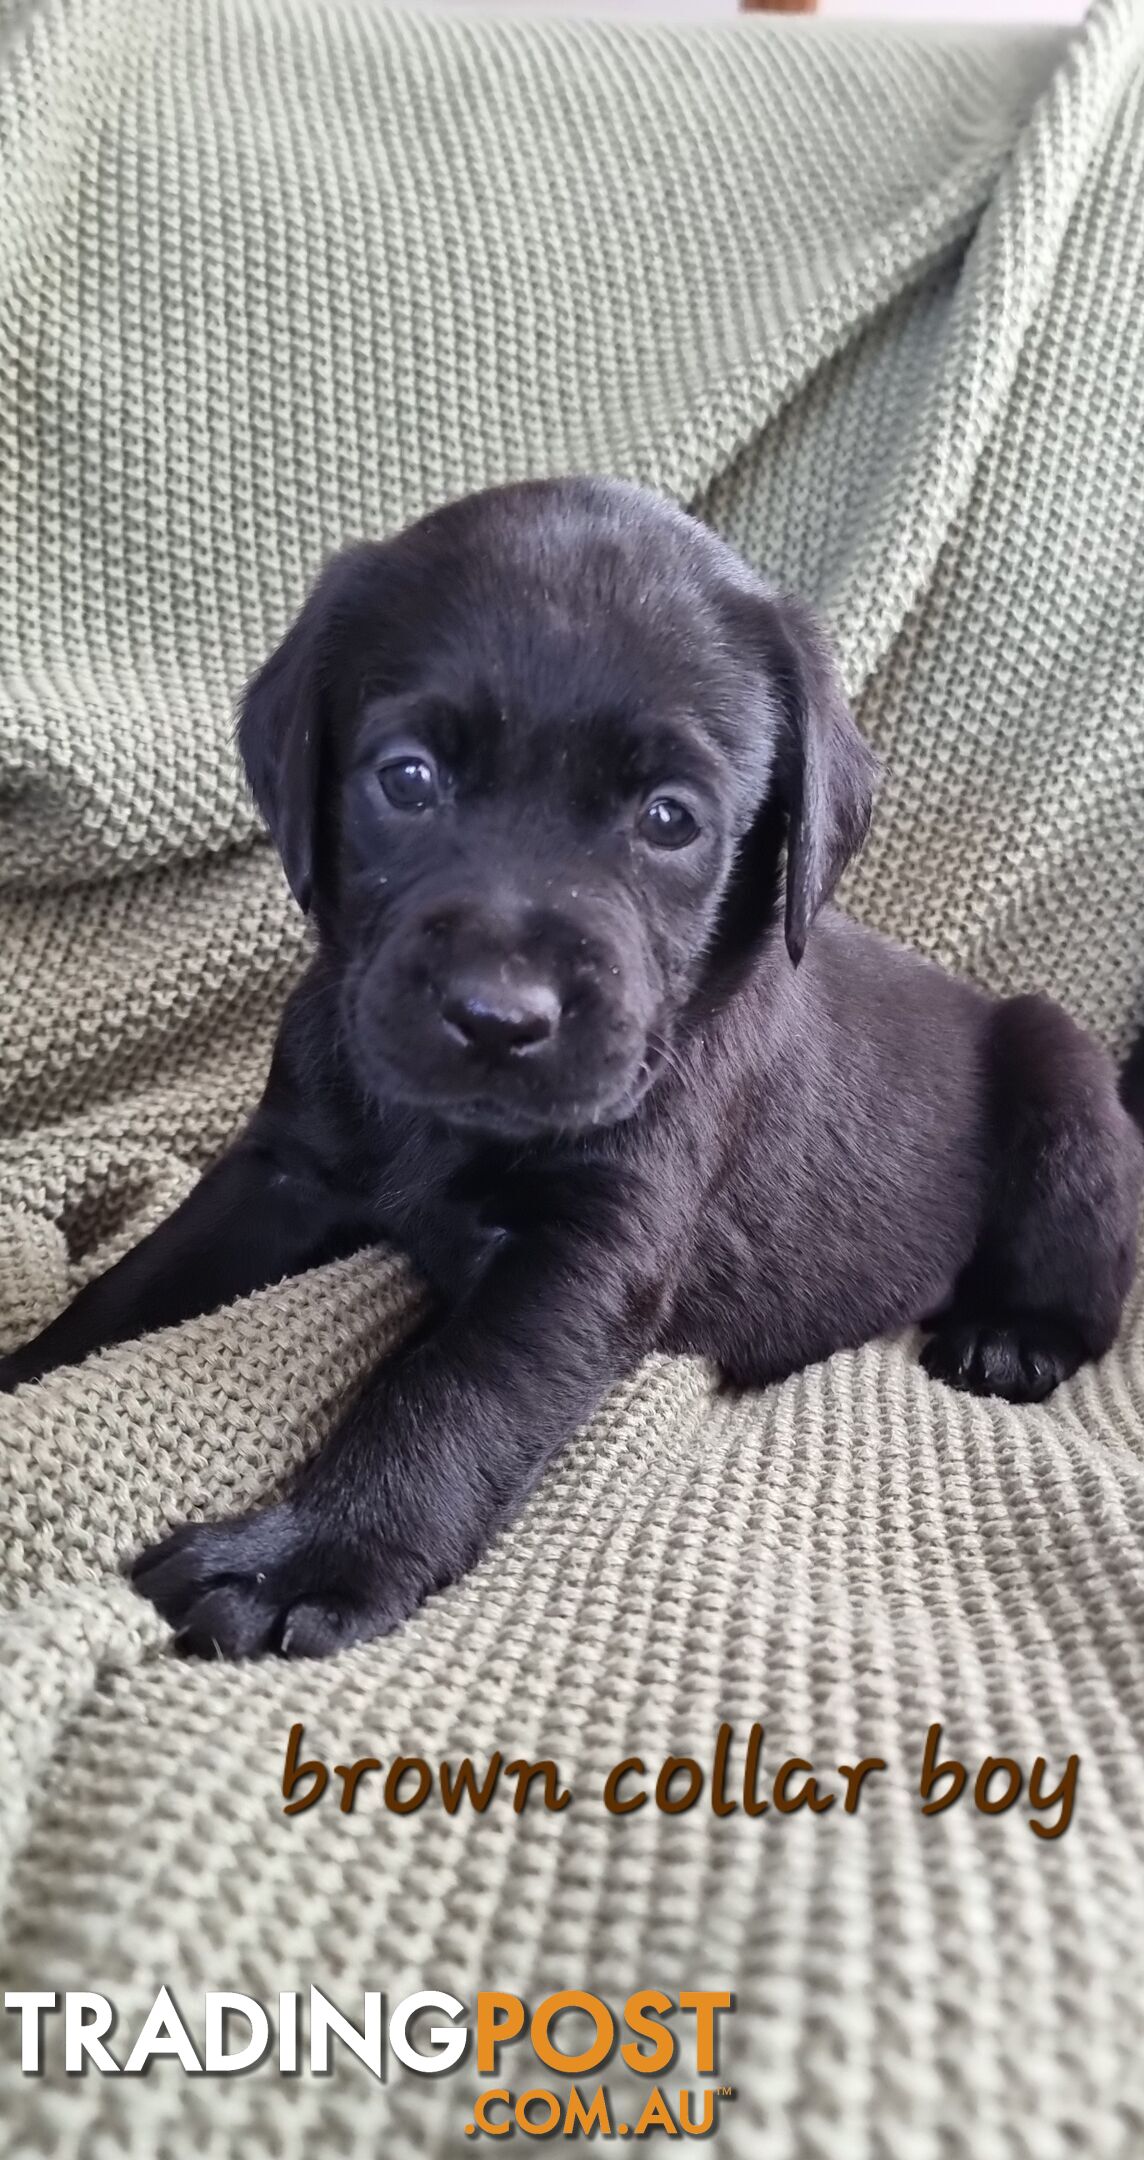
565	790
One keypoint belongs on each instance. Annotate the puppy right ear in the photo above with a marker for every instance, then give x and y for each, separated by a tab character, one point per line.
825	771
280	730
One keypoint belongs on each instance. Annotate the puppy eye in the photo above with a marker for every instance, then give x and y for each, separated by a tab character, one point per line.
409	783
667	823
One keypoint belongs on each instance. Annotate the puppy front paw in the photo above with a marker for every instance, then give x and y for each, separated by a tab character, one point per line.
18	1368
1022	1360
276	1581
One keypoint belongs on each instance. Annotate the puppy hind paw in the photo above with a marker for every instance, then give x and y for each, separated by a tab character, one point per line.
1020	1360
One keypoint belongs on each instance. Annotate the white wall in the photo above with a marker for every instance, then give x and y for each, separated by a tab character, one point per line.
934	11
986	11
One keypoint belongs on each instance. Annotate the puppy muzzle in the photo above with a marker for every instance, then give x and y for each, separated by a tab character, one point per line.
522	1023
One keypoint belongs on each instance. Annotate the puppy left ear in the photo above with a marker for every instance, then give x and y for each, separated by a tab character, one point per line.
825	774
279	740
282	727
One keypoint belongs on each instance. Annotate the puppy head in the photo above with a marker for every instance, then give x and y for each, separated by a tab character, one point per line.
531	765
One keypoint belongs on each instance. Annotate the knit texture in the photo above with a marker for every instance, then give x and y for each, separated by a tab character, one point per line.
274	273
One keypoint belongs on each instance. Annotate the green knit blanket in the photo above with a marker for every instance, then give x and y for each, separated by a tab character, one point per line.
278	272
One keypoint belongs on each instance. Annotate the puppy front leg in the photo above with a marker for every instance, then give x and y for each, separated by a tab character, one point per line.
251	1219
439	1451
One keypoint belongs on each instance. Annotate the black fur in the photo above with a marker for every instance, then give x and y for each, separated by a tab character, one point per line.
613	1095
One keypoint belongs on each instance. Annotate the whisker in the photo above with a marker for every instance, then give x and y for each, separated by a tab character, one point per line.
667	1055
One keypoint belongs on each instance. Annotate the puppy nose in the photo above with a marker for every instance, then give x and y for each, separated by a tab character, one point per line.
502	1019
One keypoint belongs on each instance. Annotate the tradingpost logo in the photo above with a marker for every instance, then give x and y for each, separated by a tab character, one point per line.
663	2049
